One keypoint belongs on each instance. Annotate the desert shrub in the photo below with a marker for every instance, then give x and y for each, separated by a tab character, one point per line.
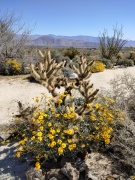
12	67
129	62
71	52
121	62
122	144
97	66
108	64
52	130
123	92
132	55
57	56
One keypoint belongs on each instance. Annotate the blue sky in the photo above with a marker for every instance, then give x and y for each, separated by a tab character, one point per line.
74	17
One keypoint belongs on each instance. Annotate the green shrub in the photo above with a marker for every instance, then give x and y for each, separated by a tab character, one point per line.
129	62
97	66
108	64
121	62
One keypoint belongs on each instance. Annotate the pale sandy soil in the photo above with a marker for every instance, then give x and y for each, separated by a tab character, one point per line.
18	88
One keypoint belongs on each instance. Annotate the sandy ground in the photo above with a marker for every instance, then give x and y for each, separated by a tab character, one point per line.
13	89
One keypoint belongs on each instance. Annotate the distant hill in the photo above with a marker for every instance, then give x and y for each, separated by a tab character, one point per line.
67	41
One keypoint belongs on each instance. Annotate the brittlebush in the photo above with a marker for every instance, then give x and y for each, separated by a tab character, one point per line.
51	132
10	67
97	66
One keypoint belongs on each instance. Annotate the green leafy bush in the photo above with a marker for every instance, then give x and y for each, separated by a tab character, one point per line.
97	66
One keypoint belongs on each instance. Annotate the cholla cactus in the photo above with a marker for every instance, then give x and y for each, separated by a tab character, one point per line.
47	72
83	71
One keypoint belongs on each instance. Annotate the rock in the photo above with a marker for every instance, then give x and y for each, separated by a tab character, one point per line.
97	166
71	172
33	174
80	165
56	174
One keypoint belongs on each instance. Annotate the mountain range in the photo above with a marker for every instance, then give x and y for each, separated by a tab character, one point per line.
68	41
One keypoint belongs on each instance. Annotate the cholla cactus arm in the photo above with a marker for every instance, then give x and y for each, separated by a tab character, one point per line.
76	70
47	71
83	70
87	74
40	53
34	73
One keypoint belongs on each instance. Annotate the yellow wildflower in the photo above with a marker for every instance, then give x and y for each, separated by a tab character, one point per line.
74	145
50	136
57	115
37	165
71	109
58	130
53	144
60	150
41	128
40	117
40	138
45	115
70	147
63	145
65	115
49	124
88	105
53	131
52	109
59	141
69	140
3	142
70	131
33	138
83	145
107	141
39	134
92	118
18	154
60	101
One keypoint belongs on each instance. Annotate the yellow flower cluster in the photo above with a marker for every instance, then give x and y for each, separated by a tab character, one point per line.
14	64
97	66
52	131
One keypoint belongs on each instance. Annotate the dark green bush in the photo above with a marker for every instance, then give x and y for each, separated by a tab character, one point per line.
120	62
71	52
108	63
129	62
